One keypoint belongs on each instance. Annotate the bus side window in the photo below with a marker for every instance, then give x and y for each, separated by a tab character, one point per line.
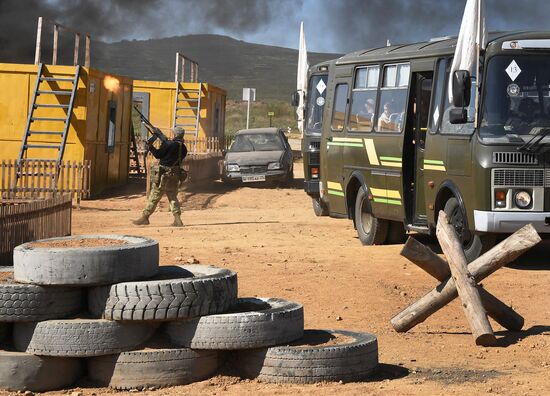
339	109
393	98
363	99
439	91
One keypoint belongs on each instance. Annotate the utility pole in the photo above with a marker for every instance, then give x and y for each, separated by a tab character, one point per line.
249	94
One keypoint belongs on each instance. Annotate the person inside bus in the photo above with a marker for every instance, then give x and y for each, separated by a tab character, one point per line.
524	117
365	117
384	120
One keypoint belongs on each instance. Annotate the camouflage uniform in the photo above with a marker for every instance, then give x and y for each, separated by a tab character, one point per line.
165	178
163	181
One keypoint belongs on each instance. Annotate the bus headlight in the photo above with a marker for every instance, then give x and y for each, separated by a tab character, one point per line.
523	199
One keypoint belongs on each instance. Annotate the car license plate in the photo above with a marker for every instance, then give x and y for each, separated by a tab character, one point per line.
253	178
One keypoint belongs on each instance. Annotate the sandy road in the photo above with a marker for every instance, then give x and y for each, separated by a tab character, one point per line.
271	237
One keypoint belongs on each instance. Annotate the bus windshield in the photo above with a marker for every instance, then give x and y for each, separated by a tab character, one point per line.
517	96
317	90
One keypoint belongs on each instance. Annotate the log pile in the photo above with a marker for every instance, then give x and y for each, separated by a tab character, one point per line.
457	278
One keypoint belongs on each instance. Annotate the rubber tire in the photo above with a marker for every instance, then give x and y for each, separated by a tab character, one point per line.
22	371
305	364
184	292
138	259
475	249
378	230
24	303
255	323
396	233
79	337
158	367
319	207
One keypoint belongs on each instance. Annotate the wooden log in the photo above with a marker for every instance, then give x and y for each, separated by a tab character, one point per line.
465	282
436	266
504	253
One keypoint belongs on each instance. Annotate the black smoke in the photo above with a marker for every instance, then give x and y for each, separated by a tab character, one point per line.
331	25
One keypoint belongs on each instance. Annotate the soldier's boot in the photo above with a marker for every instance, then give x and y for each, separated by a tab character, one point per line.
143	220
177	221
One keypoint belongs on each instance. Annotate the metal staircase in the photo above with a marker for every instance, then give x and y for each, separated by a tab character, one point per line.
54	138
187	109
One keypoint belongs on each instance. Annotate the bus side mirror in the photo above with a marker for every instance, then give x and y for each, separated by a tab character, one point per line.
295	99
462	87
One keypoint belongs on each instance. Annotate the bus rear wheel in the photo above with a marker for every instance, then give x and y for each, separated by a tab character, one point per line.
473	245
370	230
319	207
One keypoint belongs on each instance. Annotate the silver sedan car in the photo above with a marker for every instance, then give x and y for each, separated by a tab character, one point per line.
259	155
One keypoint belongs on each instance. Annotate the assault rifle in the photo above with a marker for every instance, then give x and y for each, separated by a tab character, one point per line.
153	130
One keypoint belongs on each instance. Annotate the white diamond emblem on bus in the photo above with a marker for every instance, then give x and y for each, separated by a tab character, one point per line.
513	70
321	86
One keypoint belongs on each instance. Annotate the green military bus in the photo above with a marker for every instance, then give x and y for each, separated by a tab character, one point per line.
395	151
311	142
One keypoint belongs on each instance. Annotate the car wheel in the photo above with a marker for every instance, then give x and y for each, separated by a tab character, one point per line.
370	230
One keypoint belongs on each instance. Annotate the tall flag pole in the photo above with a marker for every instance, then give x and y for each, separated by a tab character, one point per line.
301	79
472	39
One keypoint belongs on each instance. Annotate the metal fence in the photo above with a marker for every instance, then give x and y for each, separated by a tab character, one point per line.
44	178
24	220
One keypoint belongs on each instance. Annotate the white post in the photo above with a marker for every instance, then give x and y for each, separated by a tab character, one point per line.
37	53
176	74
248	111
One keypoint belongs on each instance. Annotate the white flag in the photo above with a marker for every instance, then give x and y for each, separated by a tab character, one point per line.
301	79
471	39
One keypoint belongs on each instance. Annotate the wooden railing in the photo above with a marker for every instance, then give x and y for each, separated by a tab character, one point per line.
57	27
23	220
209	145
181	62
36	179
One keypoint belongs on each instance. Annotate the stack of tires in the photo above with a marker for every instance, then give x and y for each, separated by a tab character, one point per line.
111	313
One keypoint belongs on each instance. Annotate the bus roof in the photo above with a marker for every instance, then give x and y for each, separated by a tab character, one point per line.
436	47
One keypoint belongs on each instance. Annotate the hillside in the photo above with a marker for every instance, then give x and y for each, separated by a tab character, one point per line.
226	62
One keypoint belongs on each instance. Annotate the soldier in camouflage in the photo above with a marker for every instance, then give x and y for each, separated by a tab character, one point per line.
165	177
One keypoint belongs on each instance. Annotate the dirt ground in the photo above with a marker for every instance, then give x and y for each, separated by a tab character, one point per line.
271	237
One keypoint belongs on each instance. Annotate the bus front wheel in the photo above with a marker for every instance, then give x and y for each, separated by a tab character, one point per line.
370	230
472	245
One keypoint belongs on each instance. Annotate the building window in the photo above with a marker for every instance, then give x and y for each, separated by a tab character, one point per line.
111	127
393	98
339	109
363	99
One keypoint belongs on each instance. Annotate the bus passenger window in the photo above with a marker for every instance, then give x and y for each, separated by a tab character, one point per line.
339	110
393	98
363	99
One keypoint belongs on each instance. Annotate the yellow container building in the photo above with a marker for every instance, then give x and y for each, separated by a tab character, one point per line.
100	123
157	100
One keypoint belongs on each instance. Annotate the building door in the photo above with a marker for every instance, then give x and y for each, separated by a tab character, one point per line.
141	101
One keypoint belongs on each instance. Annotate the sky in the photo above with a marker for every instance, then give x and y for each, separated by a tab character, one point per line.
336	26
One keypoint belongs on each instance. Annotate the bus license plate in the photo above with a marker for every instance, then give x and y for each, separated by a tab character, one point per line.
253	178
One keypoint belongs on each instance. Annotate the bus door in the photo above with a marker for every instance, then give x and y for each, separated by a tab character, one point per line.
414	147
335	144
